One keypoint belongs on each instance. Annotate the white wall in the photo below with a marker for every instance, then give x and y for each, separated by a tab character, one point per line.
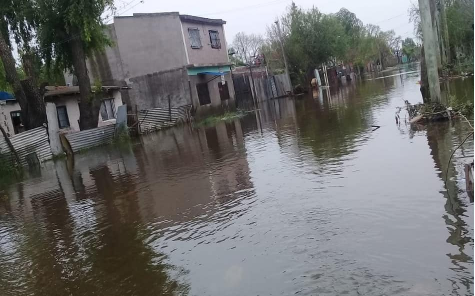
117	102
5	117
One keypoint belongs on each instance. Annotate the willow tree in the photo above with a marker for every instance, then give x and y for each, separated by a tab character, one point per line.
18	19
70	30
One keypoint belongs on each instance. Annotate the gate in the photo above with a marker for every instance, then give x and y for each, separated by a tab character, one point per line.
242	89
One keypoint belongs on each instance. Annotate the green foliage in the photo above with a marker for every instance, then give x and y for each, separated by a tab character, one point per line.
61	21
410	49
312	38
460	26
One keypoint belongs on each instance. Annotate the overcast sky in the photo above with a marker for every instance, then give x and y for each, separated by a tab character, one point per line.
253	16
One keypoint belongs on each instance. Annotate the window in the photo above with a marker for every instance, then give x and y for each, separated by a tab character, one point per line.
195	39
63	119
107	109
223	91
16	122
214	39
203	93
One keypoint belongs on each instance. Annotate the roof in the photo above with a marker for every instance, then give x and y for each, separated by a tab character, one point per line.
198	19
5	96
69	90
183	17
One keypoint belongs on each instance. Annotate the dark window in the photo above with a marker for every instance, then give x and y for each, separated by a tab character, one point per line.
223	91
203	93
107	109
195	39
16	121
214	39
63	119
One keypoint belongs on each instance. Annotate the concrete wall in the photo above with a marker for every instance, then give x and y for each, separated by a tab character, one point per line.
153	90
150	43
107	65
5	117
206	54
213	92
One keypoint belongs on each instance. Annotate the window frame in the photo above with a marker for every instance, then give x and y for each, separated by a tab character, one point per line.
66	114
197	30
112	107
217	40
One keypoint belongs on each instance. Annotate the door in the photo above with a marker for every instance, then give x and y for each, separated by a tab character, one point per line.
203	93
242	89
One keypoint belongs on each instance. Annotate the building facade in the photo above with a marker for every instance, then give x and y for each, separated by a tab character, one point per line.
167	59
66	101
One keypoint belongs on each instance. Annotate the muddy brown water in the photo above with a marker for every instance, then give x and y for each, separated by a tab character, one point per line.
302	197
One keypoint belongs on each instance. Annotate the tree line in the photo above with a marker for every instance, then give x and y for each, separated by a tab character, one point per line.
50	36
312	38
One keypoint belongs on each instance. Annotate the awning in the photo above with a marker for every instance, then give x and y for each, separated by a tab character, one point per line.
5	96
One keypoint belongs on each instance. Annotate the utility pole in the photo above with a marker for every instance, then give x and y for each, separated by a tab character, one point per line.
430	49
283	54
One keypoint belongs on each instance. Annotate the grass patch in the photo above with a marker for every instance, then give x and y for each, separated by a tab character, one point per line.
214	119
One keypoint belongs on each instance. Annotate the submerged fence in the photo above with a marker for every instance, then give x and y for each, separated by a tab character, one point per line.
91	138
31	146
157	118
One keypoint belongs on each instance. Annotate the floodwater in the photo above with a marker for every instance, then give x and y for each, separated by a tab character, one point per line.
304	197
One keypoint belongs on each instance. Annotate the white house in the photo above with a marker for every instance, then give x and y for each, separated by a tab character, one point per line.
66	99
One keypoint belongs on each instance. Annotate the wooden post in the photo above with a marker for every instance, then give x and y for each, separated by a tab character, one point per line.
10	145
430	50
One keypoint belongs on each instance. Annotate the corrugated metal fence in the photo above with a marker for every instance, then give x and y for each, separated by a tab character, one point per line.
28	144
91	138
158	118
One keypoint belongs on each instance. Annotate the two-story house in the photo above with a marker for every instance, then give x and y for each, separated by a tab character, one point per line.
166	59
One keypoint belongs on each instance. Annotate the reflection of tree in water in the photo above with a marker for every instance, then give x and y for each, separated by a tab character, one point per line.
332	128
440	141
55	257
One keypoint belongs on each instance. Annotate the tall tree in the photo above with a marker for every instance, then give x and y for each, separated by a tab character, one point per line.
69	31
18	19
247	46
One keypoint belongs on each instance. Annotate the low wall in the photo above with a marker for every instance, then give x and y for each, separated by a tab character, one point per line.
156	90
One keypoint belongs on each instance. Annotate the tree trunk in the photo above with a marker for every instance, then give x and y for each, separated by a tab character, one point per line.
36	105
12	78
89	106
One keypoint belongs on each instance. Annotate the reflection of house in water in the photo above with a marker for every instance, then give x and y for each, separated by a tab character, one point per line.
192	172
87	228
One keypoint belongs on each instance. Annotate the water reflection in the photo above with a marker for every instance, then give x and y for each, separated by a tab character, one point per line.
301	197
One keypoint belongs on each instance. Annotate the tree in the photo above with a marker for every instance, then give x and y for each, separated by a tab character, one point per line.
409	48
19	20
70	30
247	46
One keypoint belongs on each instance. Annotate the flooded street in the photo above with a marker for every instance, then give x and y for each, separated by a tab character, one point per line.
303	197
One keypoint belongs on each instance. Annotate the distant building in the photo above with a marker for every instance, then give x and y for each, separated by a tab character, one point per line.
166	59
